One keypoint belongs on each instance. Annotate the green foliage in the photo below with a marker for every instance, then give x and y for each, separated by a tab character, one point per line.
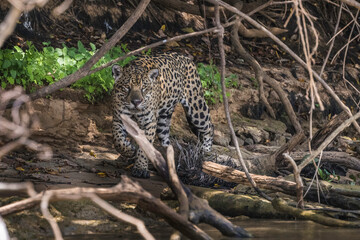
211	82
31	67
327	176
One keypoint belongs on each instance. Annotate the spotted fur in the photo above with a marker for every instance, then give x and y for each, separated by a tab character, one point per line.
148	90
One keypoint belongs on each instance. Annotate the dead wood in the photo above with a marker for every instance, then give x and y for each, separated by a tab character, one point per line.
326	130
343	196
282	206
298	180
127	190
261	76
200	211
289	51
179	190
341	158
234	205
232	175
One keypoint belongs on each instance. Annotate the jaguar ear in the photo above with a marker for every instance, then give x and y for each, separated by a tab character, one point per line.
116	71
153	74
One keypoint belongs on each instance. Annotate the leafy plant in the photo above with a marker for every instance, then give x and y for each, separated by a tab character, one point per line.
211	82
31	67
327	176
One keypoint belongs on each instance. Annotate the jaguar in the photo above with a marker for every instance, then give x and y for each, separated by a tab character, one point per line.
148	90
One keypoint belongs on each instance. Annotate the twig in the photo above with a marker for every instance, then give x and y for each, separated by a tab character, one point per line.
332	40
226	103
287	49
18	129
352	3
27	186
280	205
44	206
178	189
298	180
328	140
122	216
8	25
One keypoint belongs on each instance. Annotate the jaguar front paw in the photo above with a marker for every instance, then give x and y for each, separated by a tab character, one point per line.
140	173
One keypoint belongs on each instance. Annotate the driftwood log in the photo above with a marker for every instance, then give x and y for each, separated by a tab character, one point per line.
339	195
282	206
200	211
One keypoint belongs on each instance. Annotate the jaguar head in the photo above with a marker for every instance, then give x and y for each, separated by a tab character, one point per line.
133	85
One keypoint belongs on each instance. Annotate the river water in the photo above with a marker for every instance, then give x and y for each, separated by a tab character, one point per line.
259	228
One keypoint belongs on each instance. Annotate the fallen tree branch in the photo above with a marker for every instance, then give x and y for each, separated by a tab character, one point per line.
339	195
232	175
281	205
200	211
179	191
127	190
341	158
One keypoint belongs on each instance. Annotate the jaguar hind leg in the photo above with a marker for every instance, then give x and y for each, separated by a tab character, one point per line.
198	117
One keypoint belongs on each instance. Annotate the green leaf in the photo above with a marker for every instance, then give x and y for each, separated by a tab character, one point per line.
60	61
93	47
18	49
3	84
78	57
81	47
58	52
11	80
13	73
6	64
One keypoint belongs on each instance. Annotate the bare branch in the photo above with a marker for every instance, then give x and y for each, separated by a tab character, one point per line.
179	190
352	3
62	8
298	180
328	140
287	49
44	206
226	103
122	216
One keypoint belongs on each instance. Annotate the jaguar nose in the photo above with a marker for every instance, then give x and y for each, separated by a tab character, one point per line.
136	102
